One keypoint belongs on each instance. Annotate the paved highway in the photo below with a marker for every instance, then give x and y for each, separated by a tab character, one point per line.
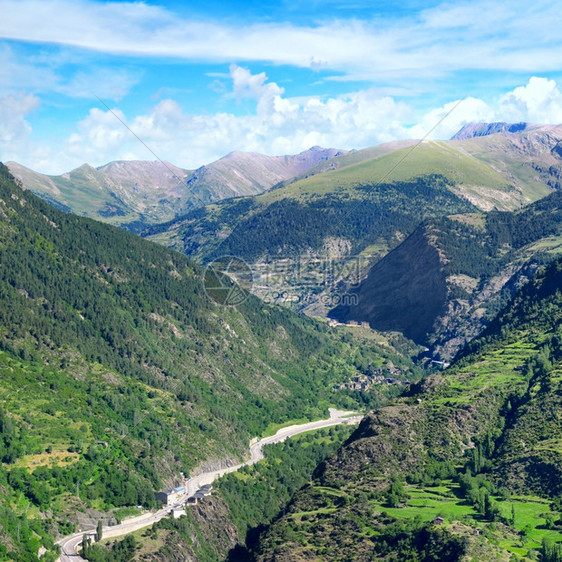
70	545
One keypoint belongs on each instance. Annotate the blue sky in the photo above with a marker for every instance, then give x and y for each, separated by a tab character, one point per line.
198	80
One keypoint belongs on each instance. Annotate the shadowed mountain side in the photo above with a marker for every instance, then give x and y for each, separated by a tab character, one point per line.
404	292
444	283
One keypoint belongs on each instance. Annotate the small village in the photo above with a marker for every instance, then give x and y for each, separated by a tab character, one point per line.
386	375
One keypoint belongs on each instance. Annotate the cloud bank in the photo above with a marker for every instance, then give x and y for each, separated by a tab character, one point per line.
403	74
277	125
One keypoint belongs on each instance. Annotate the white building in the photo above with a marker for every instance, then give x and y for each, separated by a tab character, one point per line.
171	496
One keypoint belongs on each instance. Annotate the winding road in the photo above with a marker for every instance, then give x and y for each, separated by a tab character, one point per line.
70	545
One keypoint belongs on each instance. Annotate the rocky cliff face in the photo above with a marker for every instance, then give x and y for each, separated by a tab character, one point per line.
448	279
406	291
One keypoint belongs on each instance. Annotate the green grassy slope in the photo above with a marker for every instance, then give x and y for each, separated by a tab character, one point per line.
401	165
352	157
84	191
526	158
117	371
477	445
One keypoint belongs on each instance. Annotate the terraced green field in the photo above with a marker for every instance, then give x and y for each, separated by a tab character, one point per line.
530	516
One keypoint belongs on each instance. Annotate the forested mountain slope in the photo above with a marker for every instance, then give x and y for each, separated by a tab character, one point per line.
118	372
311	234
465	466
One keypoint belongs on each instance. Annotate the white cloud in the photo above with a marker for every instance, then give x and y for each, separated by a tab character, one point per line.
480	35
98	133
15	130
444	122
278	125
539	101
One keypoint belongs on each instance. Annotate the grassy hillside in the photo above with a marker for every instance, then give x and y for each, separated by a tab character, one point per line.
476	445
120	193
531	158
117	371
402	165
349	158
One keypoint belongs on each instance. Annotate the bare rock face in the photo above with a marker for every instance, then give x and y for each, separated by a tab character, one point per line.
406	291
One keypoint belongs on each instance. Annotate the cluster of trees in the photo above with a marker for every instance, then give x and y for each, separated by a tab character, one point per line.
10	445
477	490
433	473
481	252
528	225
121	551
551	551
25	535
410	539
395	494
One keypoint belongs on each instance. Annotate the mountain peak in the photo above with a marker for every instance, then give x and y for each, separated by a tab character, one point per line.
84	168
471	130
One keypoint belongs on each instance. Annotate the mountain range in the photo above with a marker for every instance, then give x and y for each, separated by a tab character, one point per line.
134	194
333	223
366	208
